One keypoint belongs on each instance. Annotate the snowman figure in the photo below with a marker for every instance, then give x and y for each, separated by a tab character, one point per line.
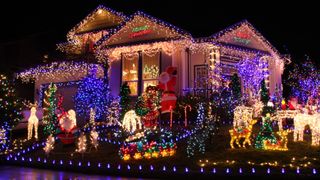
33	122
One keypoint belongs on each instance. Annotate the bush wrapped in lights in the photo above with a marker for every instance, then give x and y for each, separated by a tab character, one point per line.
154	144
10	108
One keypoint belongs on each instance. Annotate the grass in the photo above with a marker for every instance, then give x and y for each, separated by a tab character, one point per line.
218	154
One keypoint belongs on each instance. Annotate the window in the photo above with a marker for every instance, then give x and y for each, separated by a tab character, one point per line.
201	76
130	70
150	70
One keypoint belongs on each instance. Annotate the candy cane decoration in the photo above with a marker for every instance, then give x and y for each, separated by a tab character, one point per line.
170	108
185	114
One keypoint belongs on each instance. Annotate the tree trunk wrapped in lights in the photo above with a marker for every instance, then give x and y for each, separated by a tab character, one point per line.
92	117
49	109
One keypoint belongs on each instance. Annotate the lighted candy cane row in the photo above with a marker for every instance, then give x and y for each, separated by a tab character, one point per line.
185	115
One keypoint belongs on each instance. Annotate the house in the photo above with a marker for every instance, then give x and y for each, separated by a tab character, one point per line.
138	48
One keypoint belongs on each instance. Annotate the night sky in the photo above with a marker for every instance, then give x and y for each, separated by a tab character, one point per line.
31	29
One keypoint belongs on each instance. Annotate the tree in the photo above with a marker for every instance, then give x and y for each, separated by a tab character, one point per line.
252	71
235	88
264	93
10	105
124	99
93	93
265	134
49	110
82	144
264	97
205	125
10	112
304	80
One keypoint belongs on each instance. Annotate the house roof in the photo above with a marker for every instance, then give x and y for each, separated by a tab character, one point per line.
215	37
100	18
176	32
97	20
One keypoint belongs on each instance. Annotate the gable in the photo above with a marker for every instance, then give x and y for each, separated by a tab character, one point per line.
143	29
100	19
243	36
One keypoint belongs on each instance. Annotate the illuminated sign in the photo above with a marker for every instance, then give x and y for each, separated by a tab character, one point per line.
140	31
242	37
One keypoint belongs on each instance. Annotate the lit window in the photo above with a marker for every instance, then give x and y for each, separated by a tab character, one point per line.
130	71
150	70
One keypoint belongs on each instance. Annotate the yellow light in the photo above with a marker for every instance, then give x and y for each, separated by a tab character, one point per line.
137	156
147	155
172	152
126	157
164	153
245	133
155	154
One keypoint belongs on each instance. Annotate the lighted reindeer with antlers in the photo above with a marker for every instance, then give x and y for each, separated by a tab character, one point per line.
236	134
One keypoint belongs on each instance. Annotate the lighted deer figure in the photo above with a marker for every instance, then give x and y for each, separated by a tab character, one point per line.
245	133
33	122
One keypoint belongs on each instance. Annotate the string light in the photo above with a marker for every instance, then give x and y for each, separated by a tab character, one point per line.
304	80
131	121
238	133
49	109
283	114
76	38
55	71
82	144
205	126
153	144
49	144
147	106
94	138
113	114
242	116
301	120
3	141
33	122
294	163
252	71
10	105
94	93
92	117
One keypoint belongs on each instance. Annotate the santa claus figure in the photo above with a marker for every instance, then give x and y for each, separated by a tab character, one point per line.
68	127
167	82
293	103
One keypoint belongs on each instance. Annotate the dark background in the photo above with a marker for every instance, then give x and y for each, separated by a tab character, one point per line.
29	30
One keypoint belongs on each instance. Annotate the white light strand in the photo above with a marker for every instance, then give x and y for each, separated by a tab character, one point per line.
131	121
94	138
49	145
82	144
